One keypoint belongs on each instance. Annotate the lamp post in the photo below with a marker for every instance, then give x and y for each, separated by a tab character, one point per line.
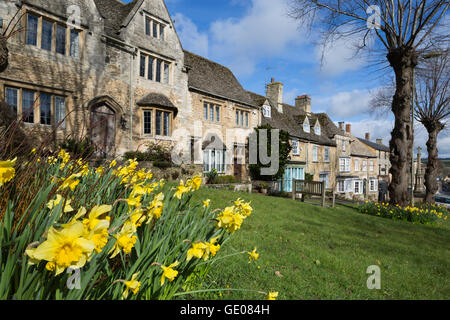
427	56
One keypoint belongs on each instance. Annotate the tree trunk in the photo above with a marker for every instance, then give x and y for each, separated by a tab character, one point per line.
432	170
3	54
403	61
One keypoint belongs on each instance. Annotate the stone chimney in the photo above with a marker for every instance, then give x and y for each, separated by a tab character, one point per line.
348	128
275	94
342	126
304	103
367	136
379	141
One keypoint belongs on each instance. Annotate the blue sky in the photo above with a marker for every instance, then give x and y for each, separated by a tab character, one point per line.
257	40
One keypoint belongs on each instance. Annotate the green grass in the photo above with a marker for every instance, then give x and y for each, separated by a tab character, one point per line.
323	253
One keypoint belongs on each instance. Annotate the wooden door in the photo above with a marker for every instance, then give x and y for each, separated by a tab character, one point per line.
103	130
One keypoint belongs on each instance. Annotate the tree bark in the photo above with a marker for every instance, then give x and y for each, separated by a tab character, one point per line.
432	170
403	61
3	54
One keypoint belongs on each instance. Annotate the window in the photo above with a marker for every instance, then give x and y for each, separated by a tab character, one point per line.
371	165
12	96
214	159
358	187
154	28
166	73
317	130
373	185
344	164
28	106
341	186
157	69
344	146
323	177
364	165
47	35
267	111
295	148
242	118
150	72
60	111
217	113
306	126
327	155
60	39
142	66
356	165
46	108
32	30
148	121
161	120
74	42
205	111
315	154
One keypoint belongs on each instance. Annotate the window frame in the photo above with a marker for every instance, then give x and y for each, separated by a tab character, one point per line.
267	111
241	118
210	161
315	153
156	69
295	147
326	155
346	164
163	129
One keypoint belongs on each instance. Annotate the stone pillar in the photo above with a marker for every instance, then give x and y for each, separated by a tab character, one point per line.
419	186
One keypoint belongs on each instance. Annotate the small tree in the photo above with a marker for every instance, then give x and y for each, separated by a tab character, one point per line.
285	150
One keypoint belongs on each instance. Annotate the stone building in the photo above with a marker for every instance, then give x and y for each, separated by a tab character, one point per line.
357	174
117	73
313	147
383	153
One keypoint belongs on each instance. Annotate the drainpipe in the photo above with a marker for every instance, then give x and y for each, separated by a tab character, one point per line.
132	56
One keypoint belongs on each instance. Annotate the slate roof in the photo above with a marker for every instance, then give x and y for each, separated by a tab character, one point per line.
158	100
360	150
116	14
374	145
214	79
291	120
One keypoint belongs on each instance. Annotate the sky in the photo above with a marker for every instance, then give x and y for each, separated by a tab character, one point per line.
258	41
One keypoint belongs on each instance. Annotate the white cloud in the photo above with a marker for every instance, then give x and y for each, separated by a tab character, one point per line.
264	32
190	37
345	105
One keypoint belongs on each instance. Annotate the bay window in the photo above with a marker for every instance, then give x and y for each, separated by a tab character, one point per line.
214	159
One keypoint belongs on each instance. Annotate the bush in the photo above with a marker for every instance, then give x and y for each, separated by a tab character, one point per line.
83	149
160	156
212	177
226	180
162	164
422	213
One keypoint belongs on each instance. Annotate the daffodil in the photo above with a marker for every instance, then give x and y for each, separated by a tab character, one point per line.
195	183
211	248
181	190
253	256
132	285
65	248
125	240
198	251
206	203
169	273
156	207
7	171
113	164
229	220
53	203
272	296
71	182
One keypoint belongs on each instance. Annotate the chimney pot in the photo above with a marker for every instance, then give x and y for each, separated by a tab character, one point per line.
275	93
304	103
368	136
342	126
348	128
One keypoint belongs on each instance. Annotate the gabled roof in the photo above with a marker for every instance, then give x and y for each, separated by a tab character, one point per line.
376	146
291	120
214	79
116	14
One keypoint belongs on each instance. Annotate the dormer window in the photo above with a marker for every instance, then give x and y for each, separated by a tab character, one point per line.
306	126
267	111
317	129
154	28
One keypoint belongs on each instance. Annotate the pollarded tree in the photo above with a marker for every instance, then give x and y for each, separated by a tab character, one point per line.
401	29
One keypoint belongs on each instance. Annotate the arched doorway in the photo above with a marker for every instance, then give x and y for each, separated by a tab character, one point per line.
103	129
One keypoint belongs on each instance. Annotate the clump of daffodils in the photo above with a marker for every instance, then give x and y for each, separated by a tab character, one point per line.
191	185
7	171
203	250
231	218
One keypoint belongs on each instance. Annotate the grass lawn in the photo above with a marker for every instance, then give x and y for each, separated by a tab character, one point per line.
308	252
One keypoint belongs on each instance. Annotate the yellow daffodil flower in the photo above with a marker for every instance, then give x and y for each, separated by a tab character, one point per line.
132	285
65	248
53	203
7	171
253	256
125	240
272	296
206	203
198	250
181	189
169	273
